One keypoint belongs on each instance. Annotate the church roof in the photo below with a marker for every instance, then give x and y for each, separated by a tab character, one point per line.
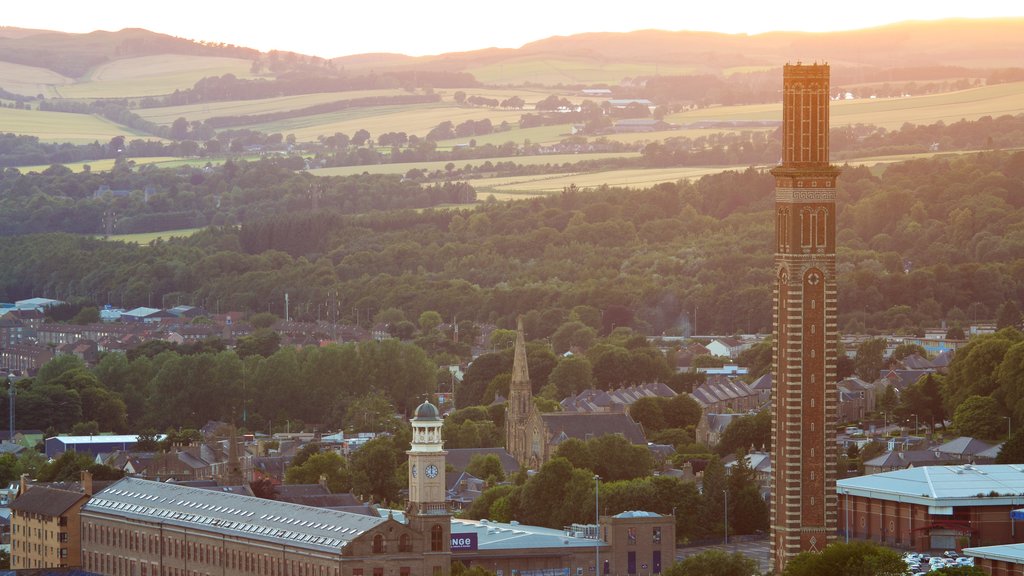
458	458
584	426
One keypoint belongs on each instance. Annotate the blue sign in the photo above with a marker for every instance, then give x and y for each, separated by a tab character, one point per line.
463	541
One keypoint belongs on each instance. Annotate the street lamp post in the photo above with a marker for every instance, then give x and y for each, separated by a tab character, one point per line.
726	492
597	523
1008	430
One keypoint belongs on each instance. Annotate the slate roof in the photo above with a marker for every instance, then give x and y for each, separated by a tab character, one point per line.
721	389
584	426
897	459
719	422
593	400
992	453
964	446
458	458
916	362
314	495
280	523
762	383
46	501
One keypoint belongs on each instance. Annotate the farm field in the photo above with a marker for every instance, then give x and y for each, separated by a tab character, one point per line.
105	164
206	110
556	69
403	167
512	187
151	75
168	115
64	127
30	80
890	113
416	119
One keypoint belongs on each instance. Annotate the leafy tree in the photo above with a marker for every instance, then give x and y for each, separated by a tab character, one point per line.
558	495
264	320
648	412
305	453
746	431
371	413
487	467
1009	316
87	315
60	364
847	559
571	375
577	452
429	320
870	359
714	563
1012	451
748	512
481	507
973	370
978	416
905	349
888	401
147	441
715	484
326	464
262	342
757	359
572	334
923	399
374	470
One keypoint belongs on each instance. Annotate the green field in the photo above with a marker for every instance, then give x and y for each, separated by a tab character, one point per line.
63	126
168	115
403	167
415	119
151	75
147	237
888	113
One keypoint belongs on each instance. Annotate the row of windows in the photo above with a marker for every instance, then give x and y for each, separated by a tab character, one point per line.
134	541
118	566
655	535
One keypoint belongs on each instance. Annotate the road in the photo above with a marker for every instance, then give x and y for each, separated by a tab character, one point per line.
755	549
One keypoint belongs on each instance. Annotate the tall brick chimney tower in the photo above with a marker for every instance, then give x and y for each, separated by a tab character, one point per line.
803	506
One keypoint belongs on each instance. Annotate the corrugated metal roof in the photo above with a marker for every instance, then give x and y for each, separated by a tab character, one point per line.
256	518
1006	552
502	536
985	485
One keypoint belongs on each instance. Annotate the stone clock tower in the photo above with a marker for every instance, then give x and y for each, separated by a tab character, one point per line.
803	507
428	512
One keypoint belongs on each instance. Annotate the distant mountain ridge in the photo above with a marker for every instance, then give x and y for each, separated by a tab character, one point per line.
73	55
980	44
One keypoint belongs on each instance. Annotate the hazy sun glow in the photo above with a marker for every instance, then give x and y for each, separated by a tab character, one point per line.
342	27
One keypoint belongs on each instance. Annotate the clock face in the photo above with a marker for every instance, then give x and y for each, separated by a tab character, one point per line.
431	471
413	470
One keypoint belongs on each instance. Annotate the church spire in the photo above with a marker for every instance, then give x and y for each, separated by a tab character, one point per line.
520	402
520	371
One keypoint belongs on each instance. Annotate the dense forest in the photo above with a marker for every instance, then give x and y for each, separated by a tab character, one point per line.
928	240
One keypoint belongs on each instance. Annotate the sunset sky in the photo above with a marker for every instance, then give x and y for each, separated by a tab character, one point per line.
331	28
